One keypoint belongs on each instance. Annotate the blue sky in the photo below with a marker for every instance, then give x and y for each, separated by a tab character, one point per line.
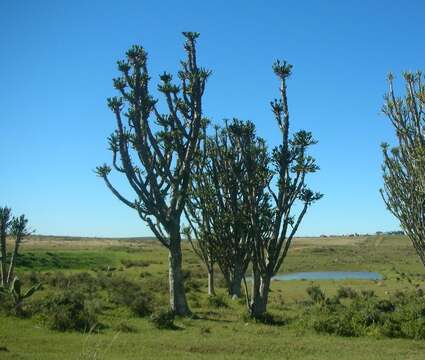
58	59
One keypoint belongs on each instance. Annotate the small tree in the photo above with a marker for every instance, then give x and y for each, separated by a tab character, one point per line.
274	221
404	165
19	230
157	164
218	208
5	221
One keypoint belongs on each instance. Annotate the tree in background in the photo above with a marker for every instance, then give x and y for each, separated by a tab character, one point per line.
218	207
5	220
274	201
157	160
19	230
404	165
16	227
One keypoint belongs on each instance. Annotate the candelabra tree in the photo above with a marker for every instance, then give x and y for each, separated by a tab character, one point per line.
287	198
218	207
17	228
156	159
5	221
404	164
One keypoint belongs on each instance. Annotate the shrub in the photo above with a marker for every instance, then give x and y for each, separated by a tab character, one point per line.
391	328
163	319
7	305
128	293
367	294
70	310
403	316
316	294
141	305
81	280
128	263
341	325
217	301
346	293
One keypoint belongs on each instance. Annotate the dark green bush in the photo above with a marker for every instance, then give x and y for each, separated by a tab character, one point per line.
141	305
128	263
127	293
316	294
70	310
7	306
337	324
346	293
163	320
217	301
81	280
402	316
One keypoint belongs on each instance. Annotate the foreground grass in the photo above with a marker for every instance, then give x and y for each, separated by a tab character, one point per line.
219	333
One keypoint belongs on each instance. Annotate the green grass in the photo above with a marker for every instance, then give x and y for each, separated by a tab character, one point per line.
220	332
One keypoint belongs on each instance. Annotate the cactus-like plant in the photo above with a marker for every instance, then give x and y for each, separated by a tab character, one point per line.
404	165
274	226
16	292
156	159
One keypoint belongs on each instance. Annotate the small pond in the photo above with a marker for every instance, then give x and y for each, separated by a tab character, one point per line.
330	275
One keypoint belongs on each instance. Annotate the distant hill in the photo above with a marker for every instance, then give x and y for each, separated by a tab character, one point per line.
85	238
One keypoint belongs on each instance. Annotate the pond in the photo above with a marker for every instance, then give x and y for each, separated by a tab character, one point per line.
330	275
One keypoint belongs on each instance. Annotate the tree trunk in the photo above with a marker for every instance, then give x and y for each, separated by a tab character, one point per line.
260	295
235	288
13	260
178	300
211	290
235	285
3	254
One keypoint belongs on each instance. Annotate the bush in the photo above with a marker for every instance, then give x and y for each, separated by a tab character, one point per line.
316	294
70	310
127	293
340	325
403	316
7	306
163	320
82	280
217	301
134	263
346	293
141	305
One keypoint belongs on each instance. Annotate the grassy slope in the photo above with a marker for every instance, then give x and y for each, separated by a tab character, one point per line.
219	333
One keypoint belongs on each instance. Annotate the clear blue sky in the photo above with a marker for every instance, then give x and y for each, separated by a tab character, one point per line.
58	59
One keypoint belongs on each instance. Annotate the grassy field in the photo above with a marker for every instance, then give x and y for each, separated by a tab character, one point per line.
216	333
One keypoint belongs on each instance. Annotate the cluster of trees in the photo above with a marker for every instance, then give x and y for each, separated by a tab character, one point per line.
237	202
243	203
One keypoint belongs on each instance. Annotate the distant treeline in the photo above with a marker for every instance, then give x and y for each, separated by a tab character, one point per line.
398	232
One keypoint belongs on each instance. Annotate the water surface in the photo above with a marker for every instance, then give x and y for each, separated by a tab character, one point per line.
330	275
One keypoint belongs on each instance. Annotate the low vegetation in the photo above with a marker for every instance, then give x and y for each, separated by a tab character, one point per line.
127	313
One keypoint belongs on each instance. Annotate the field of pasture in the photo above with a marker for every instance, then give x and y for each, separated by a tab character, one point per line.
219	329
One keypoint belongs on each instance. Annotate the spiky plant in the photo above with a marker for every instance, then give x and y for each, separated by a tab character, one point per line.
404	164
